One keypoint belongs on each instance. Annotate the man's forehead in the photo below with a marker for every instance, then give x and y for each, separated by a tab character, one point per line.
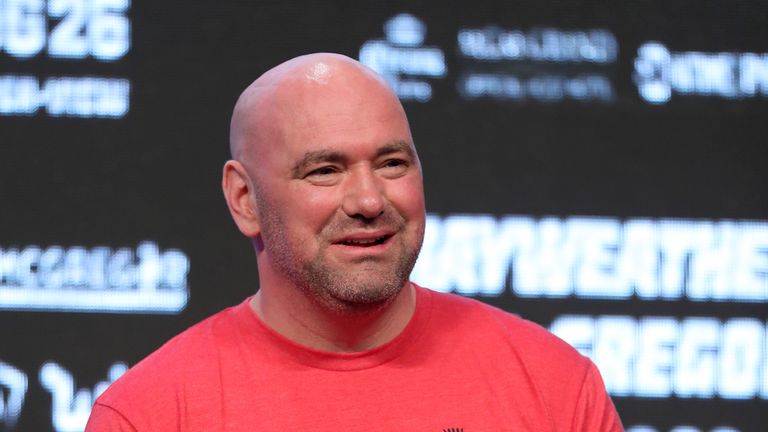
330	154
313	99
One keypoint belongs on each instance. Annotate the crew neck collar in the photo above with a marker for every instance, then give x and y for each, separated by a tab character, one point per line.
340	361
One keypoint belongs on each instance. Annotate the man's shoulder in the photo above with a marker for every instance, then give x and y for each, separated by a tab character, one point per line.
497	328
176	358
524	361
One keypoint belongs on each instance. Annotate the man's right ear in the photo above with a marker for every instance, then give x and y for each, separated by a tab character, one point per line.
238	191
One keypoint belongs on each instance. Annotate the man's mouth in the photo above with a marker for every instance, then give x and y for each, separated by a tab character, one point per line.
365	242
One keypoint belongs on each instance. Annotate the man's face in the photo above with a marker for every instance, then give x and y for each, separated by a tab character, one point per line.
340	198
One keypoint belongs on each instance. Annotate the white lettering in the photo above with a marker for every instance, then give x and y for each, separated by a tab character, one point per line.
638	257
696	361
656	357
88	97
549	44
615	348
13	390
595	272
78	28
659	73
665	259
741	355
546	268
71	408
24	27
544	88
97	279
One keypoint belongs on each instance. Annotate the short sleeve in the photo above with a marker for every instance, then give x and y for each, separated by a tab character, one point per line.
106	419
595	410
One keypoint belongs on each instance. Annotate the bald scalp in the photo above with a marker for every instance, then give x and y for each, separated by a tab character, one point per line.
252	124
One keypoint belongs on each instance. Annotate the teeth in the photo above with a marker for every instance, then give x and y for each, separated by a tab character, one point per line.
363	242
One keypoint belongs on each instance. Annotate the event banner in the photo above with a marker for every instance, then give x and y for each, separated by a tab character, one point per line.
596	167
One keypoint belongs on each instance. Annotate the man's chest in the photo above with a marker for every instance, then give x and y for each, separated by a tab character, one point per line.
414	400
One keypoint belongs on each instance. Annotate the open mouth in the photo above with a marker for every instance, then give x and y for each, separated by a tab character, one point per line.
365	242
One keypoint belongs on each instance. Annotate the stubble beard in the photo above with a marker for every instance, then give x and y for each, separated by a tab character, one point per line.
367	286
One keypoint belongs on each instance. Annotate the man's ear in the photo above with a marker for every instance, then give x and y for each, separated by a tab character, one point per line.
238	191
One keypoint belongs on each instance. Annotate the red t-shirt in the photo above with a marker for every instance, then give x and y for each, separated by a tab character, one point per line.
459	365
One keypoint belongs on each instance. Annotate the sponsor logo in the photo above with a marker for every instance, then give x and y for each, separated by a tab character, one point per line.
403	60
660	73
99	279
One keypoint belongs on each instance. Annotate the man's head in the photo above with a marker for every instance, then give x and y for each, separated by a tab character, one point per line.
326	181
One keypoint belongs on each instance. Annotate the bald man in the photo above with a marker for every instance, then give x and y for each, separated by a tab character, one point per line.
326	183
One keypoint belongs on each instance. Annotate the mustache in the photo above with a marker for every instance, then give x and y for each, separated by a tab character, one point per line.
341	223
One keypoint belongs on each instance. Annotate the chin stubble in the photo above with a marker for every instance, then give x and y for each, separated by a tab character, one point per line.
370	286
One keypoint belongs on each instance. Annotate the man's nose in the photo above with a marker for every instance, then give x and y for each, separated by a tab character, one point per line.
364	195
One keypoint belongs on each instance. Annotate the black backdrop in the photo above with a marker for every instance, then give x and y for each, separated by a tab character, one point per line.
151	174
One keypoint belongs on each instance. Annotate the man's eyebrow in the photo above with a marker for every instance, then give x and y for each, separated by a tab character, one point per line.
395	147
318	156
313	157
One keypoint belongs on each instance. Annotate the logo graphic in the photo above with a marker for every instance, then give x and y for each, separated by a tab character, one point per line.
100	279
540	64
13	389
71	32
660	72
402	60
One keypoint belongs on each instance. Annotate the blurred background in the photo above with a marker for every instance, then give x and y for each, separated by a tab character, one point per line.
596	167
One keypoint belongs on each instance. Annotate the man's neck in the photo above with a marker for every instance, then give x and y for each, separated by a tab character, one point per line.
300	319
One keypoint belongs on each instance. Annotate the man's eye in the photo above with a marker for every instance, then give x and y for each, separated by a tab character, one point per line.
395	166
323	176
390	163
322	171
